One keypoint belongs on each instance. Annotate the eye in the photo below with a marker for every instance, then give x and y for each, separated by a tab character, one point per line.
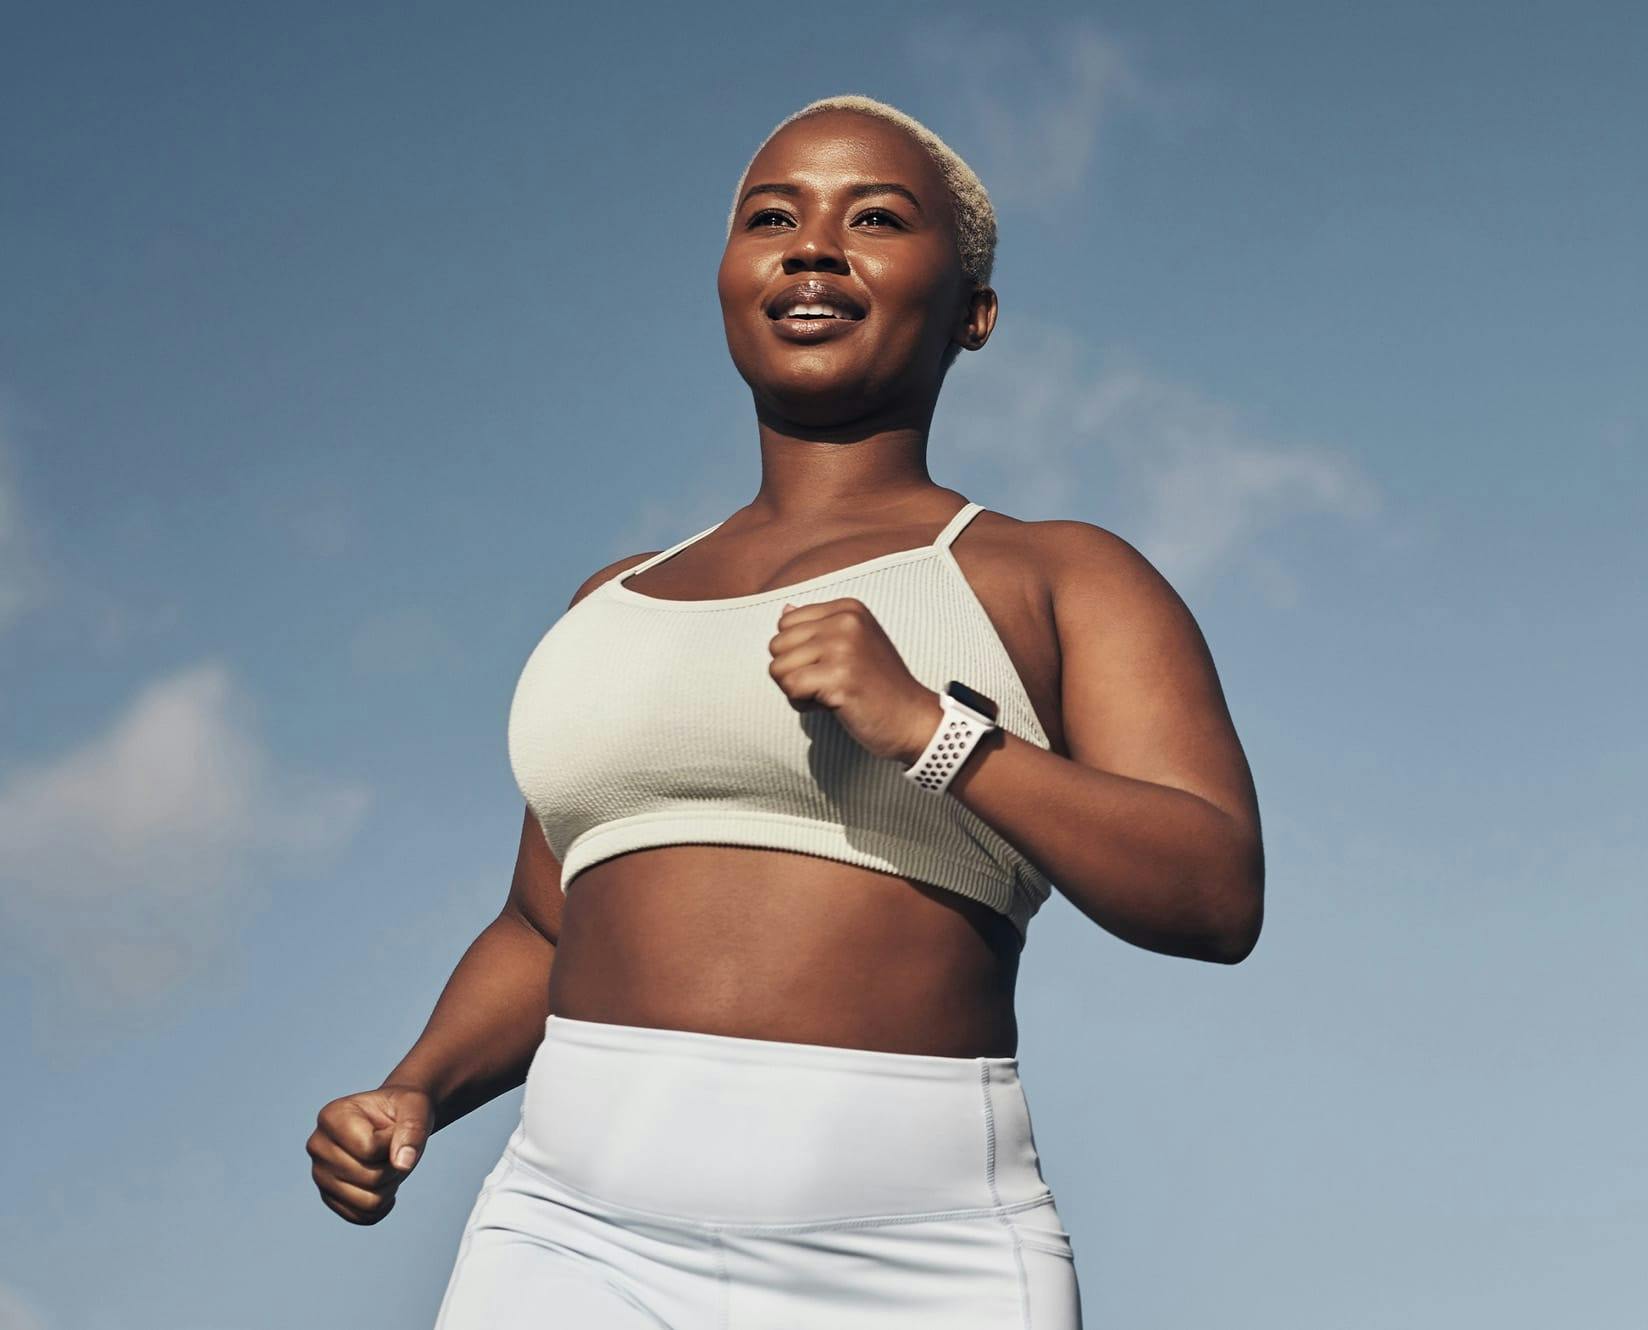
755	222
879	212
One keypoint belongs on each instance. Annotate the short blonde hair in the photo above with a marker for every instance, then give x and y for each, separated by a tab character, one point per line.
975	215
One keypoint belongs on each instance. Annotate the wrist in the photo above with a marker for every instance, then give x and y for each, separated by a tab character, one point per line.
926	716
410	1076
967	718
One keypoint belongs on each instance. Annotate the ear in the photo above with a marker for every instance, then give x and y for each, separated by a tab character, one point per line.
973	329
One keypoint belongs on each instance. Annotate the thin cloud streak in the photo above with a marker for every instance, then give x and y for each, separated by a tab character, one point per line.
1181	476
1037	141
127	863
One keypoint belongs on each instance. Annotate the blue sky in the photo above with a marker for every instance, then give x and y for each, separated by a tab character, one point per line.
339	343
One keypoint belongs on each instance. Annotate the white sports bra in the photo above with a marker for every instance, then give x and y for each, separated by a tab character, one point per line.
639	722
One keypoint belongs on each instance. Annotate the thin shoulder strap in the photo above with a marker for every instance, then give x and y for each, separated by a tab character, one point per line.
953	527
664	554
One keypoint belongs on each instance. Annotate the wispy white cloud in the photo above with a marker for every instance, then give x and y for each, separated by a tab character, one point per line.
1034	106
15	1314
1071	433
127	863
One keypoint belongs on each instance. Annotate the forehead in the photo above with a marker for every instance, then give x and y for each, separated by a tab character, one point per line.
840	146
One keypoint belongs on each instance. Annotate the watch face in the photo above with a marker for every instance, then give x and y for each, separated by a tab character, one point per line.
971	697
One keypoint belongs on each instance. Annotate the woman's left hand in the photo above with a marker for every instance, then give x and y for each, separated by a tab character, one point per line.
835	655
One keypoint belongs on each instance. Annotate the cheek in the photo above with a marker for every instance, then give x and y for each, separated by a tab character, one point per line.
916	302
724	282
914	321
738	286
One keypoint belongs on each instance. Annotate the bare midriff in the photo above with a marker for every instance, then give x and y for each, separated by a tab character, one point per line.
772	944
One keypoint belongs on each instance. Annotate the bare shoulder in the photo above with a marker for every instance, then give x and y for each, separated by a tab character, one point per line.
1084	569
1094	575
605	574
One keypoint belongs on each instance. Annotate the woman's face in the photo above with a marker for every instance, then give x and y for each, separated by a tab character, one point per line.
844	212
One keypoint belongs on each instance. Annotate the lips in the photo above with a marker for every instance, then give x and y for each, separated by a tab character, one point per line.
816	300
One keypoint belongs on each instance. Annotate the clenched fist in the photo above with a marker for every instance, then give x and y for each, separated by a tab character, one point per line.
364	1146
835	654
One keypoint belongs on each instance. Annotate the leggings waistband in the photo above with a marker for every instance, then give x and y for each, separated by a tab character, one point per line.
719	1129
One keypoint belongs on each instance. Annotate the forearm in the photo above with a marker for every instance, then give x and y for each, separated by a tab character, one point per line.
487	1023
1155	865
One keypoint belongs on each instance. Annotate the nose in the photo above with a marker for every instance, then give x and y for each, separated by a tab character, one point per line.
814	247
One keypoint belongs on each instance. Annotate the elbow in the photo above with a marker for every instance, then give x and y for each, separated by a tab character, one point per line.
1232	936
1235	943
1235	915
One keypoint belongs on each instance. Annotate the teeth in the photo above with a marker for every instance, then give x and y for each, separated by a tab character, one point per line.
816	311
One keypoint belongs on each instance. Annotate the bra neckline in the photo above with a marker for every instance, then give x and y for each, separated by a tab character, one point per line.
940	544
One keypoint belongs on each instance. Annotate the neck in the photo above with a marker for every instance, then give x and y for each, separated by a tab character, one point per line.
808	473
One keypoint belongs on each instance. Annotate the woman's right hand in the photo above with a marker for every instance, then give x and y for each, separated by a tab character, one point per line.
364	1146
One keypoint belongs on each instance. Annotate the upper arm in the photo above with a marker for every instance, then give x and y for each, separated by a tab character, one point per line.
535	887
1140	694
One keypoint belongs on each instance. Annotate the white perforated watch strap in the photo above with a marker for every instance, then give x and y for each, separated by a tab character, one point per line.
958	733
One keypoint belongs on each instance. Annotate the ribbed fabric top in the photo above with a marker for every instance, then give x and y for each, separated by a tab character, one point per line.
639	722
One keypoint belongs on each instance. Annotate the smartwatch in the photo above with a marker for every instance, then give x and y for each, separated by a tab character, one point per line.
968	716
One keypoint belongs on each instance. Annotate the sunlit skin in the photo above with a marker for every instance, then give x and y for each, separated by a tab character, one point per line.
768	943
826	212
1143	813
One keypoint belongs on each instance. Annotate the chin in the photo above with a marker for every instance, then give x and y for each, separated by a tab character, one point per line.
825	408
805	384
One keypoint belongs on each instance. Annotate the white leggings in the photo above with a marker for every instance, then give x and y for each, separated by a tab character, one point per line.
671	1180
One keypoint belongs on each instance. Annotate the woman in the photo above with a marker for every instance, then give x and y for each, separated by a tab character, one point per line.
795	786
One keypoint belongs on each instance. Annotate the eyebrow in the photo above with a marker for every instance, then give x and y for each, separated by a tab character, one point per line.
853	192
